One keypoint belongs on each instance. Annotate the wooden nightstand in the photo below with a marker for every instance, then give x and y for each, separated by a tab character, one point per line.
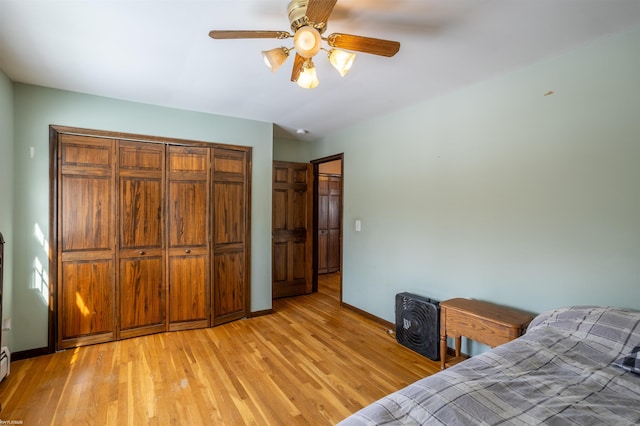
484	322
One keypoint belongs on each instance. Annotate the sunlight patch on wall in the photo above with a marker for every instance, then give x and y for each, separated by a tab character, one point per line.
40	280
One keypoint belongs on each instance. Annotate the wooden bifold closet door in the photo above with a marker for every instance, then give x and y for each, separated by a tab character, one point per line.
85	247
188	200
149	236
141	248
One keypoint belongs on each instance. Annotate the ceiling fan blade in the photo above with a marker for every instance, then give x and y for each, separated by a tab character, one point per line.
374	46
230	34
297	67
319	10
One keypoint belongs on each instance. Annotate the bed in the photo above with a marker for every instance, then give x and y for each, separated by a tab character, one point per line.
573	366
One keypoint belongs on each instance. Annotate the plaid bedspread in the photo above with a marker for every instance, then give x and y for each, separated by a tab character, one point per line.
558	373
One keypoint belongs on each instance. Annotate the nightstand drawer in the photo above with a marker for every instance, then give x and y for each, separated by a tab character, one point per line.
479	329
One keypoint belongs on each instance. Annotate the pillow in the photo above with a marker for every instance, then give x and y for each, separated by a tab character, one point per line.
630	362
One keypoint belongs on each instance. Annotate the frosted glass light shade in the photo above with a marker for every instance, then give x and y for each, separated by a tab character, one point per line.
307	41
341	60
274	58
308	78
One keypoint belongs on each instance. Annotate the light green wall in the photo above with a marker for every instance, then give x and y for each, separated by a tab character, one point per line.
290	150
37	107
6	196
497	192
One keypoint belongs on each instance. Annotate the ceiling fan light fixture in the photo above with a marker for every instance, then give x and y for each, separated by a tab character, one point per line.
307	41
274	58
308	77
341	60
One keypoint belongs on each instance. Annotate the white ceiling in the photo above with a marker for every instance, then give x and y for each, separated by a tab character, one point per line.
159	52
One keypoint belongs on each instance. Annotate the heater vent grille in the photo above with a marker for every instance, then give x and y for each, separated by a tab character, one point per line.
418	324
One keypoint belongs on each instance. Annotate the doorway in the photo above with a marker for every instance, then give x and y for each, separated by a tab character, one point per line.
328	178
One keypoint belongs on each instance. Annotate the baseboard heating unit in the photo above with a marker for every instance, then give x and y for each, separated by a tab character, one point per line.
5	362
418	324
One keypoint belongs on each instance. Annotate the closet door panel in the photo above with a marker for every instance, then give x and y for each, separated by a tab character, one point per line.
189	295
86	301
140	212
229	297
142	299
141	254
230	189
229	212
188	217
188	221
85	244
86	203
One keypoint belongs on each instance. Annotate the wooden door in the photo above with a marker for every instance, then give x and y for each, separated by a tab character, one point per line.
334	224
188	194
85	243
323	223
230	283
292	229
329	223
141	248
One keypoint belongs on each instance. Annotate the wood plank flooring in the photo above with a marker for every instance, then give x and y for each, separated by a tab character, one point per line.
310	362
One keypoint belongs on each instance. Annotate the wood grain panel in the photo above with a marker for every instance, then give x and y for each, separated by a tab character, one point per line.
188	219
280	261
280	213
228	289
78	151
140	213
142	292
188	292
299	210
86	213
188	159
135	156
228	212
229	161
299	268
323	251
299	176
86	304
280	174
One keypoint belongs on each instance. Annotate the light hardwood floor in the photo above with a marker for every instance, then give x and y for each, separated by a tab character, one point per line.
310	362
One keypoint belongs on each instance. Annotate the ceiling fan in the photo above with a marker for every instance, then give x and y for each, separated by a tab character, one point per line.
308	20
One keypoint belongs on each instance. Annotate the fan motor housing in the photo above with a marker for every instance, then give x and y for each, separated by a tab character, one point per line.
418	324
297	14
